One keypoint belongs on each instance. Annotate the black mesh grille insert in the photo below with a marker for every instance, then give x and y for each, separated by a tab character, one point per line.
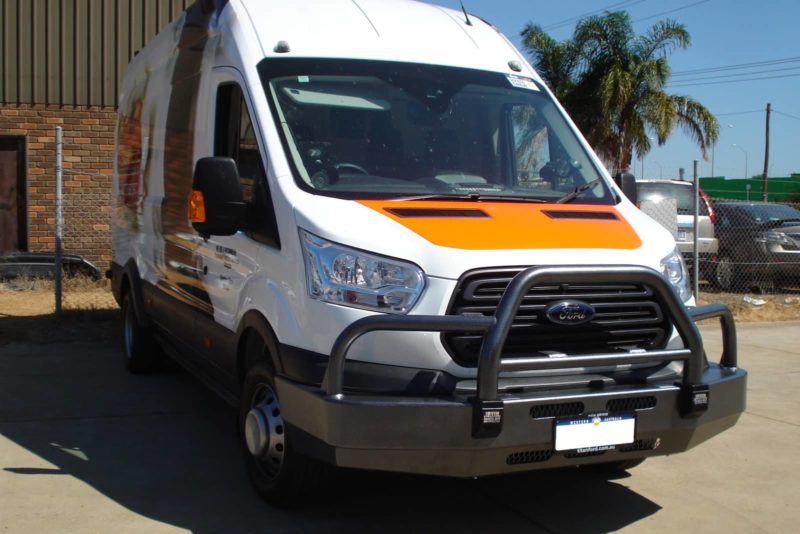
628	316
631	404
584	454
529	457
640	445
565	409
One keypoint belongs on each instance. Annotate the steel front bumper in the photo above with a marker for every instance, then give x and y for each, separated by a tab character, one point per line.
492	433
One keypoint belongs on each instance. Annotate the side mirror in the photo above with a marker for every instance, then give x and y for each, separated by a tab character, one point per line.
216	206
627	182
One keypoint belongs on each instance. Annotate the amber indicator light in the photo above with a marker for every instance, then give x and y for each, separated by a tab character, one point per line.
197	207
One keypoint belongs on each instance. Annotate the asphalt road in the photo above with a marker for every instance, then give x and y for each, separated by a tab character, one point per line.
86	447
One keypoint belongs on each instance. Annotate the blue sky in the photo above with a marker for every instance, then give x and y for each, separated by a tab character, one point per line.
724	32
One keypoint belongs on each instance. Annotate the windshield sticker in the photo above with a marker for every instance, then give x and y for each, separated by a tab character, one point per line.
520	82
303	79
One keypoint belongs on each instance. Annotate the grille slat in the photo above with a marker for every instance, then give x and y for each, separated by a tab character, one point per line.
628	317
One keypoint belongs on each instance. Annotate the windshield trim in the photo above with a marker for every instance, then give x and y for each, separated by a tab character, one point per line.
272	68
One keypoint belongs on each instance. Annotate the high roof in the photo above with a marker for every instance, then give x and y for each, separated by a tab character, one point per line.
402	30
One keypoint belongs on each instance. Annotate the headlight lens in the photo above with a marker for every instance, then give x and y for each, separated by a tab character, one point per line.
674	270
350	277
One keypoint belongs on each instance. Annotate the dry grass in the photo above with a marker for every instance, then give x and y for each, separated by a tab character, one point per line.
775	307
25	296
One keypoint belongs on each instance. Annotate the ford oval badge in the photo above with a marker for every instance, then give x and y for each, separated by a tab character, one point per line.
569	312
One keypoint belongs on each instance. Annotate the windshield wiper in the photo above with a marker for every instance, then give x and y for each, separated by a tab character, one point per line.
569	197
471	196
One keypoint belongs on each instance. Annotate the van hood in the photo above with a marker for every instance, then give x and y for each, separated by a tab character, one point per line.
511	225
448	238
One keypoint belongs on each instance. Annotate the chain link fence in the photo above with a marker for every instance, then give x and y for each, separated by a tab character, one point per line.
741	246
758	246
58	280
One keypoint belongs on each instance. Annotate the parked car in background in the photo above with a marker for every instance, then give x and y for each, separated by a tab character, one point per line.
682	192
759	244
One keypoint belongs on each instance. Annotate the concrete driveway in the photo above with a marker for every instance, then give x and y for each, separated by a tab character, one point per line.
86	447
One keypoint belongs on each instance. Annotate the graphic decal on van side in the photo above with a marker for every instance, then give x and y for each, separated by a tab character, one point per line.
196	42
514	226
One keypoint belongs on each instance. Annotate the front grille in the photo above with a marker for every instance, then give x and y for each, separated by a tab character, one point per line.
631	404
529	457
628	316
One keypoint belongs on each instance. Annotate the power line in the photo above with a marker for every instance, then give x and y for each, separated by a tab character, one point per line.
737	66
687	6
618	5
751	73
787	115
737	81
739	113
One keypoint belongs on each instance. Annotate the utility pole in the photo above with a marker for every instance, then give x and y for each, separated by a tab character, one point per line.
766	155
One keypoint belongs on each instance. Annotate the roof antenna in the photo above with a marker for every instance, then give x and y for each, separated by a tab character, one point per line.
469	22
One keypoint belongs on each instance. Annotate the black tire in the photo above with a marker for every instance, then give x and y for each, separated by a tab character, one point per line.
726	274
278	473
142	352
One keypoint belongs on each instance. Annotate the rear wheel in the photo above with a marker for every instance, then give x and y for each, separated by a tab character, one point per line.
142	351
280	475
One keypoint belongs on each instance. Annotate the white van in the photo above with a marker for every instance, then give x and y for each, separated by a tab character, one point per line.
370	226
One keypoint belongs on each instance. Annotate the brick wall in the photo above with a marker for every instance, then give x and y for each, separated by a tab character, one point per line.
88	134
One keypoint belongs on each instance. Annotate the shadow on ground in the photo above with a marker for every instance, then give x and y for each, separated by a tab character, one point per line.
164	447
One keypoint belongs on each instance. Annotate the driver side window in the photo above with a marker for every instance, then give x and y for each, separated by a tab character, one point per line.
235	137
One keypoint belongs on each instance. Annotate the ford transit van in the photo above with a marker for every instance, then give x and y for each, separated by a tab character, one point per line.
370	226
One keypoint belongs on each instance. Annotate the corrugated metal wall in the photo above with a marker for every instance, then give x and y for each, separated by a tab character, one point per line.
74	52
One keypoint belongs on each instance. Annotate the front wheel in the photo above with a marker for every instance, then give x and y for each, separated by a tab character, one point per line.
726	276
280	475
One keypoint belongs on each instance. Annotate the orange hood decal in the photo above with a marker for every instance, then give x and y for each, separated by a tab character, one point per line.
511	225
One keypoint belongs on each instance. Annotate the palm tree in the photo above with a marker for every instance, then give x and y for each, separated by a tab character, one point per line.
612	83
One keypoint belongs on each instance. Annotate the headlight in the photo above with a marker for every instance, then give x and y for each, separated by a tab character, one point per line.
674	270
350	277
774	236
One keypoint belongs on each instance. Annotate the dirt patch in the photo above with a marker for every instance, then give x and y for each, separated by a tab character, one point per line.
27	309
750	307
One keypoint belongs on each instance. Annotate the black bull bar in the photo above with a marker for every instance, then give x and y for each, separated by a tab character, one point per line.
487	419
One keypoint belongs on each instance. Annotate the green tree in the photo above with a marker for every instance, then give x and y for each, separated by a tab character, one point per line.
612	83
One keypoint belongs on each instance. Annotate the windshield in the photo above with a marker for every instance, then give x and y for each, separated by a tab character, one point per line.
376	129
683	195
762	213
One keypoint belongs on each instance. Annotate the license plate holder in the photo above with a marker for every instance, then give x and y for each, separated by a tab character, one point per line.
594	432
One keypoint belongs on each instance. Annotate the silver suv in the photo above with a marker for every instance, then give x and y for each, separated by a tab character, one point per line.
707	245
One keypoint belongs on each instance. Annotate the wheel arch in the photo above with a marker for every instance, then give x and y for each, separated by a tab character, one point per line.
132	281
254	323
